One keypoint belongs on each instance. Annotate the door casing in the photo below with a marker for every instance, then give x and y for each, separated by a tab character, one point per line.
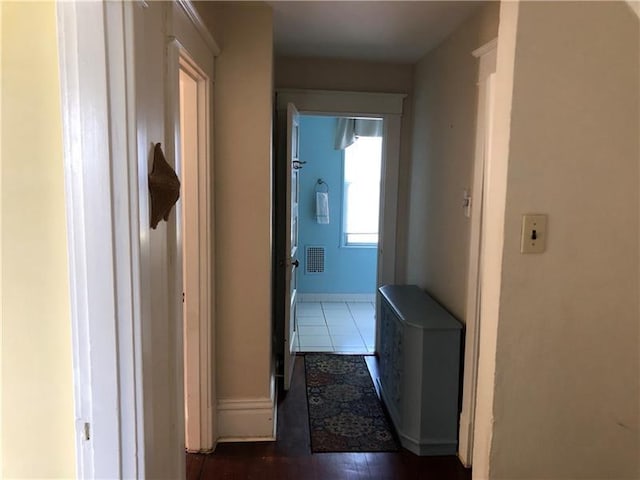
387	106
128	424
487	57
193	50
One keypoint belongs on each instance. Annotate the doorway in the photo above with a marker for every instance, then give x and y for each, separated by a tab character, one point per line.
196	307
355	105
338	233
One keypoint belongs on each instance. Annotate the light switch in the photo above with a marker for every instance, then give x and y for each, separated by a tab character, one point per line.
466	203
534	233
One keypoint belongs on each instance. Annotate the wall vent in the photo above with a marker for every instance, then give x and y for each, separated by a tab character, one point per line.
315	260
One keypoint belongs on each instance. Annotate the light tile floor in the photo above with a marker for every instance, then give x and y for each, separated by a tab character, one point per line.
344	327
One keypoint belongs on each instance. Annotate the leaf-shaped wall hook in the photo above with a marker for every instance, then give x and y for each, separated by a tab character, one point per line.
164	187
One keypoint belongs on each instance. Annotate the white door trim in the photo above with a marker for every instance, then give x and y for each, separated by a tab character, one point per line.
107	245
95	45
193	17
389	199
487	56
199	337
200	433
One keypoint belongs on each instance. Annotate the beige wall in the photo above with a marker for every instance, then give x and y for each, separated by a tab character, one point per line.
37	387
442	156
567	364
360	76
348	75
242	184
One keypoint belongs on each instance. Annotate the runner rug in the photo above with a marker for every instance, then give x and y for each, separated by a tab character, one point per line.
345	414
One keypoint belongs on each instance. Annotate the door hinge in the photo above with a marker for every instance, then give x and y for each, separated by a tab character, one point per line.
182	297
86	431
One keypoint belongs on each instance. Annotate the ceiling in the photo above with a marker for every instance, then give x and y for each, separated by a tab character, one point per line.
391	31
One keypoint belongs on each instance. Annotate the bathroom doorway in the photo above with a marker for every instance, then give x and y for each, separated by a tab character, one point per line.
292	105
339	212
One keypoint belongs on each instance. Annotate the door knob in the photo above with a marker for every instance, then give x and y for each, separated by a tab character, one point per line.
295	263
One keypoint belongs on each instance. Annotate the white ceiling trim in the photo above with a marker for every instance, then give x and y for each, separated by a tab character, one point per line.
486	48
192	14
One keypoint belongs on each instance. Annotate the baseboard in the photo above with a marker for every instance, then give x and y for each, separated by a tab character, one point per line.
246	420
336	297
423	446
428	447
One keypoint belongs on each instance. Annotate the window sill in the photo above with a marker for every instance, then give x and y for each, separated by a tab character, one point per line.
360	245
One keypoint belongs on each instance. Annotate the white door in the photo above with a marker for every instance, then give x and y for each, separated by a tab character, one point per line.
293	168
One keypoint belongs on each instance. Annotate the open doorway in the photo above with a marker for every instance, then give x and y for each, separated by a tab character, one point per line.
386	110
338	228
194	148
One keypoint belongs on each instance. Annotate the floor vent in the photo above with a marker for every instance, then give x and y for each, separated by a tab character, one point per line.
315	260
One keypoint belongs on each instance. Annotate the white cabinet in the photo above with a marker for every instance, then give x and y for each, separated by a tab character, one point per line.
420	344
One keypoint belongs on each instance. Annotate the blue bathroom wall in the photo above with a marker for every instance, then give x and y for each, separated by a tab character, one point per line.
347	269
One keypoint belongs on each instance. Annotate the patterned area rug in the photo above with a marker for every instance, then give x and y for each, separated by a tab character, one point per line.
345	414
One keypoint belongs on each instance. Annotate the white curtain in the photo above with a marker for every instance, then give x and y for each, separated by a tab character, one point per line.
349	129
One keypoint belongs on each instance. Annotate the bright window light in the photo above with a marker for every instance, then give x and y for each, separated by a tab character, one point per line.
362	165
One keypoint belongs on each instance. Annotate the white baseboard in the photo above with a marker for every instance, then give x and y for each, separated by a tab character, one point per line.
336	297
246	420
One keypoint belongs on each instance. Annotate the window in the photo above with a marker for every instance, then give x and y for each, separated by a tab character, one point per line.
362	165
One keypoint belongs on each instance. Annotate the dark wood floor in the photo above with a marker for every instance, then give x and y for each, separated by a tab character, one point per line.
290	458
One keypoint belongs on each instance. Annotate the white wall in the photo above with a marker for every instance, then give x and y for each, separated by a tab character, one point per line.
566	390
242	187
37	389
442	156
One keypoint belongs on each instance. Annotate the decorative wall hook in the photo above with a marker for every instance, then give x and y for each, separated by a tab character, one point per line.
164	187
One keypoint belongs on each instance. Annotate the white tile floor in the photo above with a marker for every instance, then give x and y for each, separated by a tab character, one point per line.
344	327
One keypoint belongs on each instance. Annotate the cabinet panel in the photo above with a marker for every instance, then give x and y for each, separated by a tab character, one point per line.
420	369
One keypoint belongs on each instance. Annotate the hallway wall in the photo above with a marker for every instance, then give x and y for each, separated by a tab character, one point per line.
347	269
566	380
38	429
243	99
442	156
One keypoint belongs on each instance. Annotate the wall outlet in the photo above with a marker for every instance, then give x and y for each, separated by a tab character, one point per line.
534	233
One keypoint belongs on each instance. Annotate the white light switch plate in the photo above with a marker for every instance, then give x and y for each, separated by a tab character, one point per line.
466	203
534	233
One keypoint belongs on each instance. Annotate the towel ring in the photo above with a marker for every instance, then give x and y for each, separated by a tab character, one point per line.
320	185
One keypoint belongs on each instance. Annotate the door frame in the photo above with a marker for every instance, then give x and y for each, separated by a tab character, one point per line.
389	107
487	66
192	48
95	45
105	238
